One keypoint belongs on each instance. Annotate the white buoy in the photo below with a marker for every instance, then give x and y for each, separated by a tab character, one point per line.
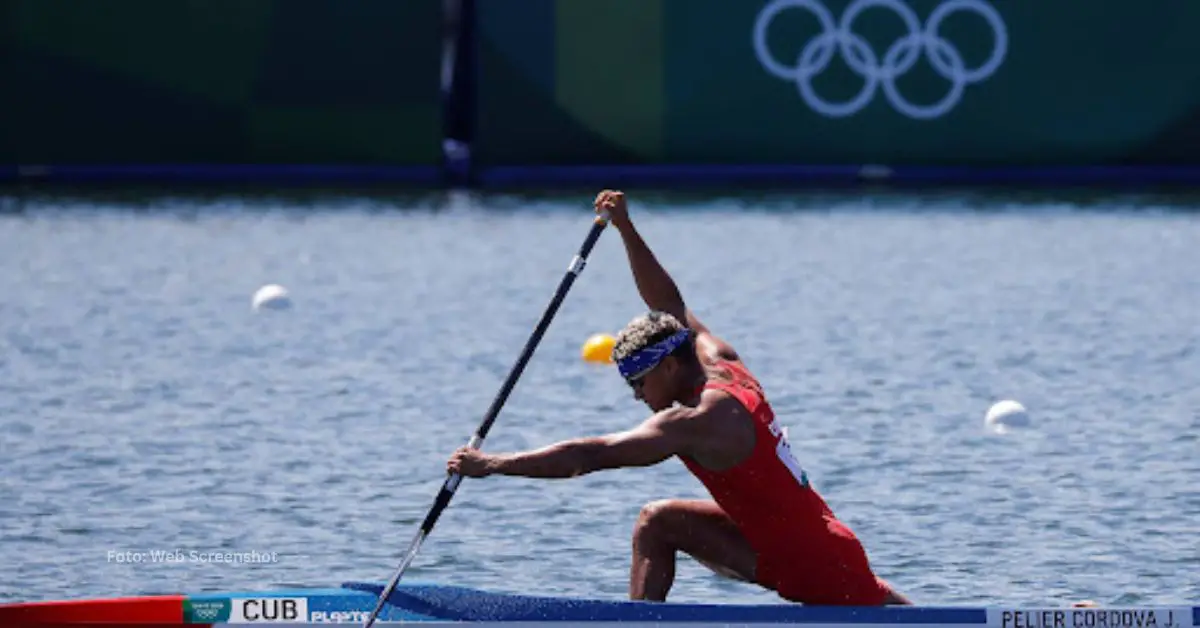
271	297
1005	414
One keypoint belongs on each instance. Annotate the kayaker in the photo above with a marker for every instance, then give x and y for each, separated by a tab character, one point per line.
765	523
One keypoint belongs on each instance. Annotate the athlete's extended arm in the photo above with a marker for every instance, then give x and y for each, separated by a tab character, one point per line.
658	438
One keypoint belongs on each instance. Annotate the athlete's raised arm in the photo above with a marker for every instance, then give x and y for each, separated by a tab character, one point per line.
655	285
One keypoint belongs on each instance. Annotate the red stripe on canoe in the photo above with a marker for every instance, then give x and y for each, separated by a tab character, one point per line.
158	609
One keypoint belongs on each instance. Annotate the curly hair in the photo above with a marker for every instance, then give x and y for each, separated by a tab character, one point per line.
645	330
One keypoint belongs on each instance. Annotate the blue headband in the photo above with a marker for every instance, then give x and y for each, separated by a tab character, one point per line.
641	361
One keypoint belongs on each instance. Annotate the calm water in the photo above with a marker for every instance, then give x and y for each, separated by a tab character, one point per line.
144	406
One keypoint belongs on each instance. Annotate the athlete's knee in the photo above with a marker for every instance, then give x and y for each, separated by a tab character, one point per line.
654	521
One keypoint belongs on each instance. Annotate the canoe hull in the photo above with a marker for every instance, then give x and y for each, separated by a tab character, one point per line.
441	604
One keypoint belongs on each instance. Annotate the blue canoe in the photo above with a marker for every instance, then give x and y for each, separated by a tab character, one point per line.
434	603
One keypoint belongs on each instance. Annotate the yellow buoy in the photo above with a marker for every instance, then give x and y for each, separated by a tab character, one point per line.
598	348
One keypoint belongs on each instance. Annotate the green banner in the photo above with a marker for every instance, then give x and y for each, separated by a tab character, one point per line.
352	82
900	82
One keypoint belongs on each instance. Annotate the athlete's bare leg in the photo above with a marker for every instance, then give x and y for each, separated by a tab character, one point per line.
698	528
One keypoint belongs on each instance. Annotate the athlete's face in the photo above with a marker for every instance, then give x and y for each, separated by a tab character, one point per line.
655	388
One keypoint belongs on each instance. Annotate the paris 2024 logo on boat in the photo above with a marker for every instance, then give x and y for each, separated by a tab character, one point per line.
838	37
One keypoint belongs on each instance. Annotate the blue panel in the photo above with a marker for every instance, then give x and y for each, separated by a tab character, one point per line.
464	604
693	176
219	173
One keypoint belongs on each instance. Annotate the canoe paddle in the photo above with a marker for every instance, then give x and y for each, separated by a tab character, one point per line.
452	480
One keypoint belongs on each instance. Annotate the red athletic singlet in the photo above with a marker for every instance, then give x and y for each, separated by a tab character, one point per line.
804	553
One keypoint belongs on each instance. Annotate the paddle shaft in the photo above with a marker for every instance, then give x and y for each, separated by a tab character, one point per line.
452	480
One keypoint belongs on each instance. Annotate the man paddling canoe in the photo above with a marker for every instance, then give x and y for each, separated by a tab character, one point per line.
766	524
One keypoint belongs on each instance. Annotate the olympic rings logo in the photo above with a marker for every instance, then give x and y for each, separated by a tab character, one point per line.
900	57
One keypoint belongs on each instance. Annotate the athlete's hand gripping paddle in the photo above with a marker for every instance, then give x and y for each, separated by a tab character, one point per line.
452	480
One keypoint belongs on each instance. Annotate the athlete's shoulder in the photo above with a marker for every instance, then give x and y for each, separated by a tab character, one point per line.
719	402
723	428
725	373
